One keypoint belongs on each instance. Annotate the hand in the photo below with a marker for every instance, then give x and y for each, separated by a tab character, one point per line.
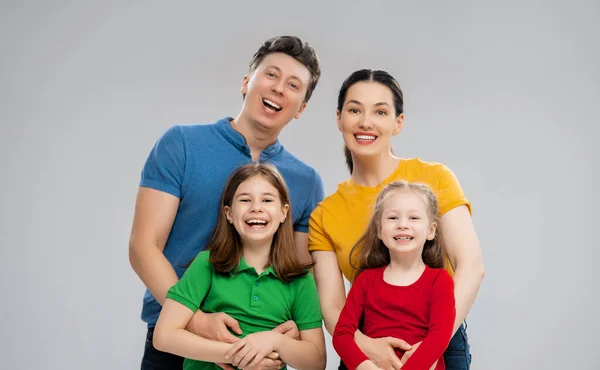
271	362
367	365
214	326
249	351
381	350
410	352
289	329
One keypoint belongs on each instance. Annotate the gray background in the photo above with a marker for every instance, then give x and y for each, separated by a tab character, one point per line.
505	94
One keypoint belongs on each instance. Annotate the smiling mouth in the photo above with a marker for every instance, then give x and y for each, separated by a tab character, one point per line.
365	137
403	238
269	104
255	223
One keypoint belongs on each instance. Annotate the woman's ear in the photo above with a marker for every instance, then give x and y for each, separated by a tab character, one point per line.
399	124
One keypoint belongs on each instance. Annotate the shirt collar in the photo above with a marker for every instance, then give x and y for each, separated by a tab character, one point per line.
243	266
238	140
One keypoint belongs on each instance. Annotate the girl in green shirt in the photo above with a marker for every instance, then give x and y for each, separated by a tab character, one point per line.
250	271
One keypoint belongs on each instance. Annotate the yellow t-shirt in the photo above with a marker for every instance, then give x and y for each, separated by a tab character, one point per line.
341	218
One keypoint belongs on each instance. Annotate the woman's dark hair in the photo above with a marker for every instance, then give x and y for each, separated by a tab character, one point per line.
370	75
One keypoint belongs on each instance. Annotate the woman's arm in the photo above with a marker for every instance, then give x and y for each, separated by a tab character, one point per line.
330	285
170	336
462	247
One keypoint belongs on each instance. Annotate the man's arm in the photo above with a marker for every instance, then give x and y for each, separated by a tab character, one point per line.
153	218
154	215
301	241
462	246
330	285
170	336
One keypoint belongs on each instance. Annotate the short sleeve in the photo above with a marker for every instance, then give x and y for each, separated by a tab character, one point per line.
165	165
306	309
195	283
317	194
449	192
317	238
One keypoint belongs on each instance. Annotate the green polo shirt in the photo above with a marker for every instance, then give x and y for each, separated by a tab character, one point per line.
257	302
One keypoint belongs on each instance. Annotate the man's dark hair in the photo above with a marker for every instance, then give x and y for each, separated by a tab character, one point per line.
294	47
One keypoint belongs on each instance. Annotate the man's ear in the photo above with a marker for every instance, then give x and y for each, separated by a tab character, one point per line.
244	88
300	110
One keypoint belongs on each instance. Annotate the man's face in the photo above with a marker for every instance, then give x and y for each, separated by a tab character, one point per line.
275	92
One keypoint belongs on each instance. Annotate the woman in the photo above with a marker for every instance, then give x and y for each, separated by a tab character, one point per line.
370	111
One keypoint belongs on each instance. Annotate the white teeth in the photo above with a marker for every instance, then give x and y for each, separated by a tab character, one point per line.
271	104
403	238
256	221
365	137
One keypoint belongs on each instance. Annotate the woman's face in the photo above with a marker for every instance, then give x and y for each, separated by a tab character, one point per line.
368	119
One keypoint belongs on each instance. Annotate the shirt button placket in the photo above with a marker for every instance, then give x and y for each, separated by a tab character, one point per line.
255	296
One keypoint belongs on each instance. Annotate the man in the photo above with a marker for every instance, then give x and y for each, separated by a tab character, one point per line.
184	175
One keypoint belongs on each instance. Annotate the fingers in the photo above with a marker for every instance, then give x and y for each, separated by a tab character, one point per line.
257	359
243	357
273	356
234	349
285	327
268	364
398	343
405	357
225	336
232	323
396	363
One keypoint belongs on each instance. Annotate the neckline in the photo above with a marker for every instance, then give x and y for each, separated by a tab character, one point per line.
385	181
239	141
382	276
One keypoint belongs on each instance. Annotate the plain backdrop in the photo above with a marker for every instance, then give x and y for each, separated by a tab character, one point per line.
505	93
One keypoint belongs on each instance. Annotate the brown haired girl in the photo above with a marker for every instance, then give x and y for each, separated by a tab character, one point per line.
402	290
251	272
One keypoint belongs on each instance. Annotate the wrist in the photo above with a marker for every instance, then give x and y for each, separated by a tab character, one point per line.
358	336
278	339
366	365
361	341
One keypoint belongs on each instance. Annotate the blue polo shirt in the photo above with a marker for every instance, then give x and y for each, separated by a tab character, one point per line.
193	162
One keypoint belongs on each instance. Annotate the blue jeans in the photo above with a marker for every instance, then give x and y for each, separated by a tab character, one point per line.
458	353
157	360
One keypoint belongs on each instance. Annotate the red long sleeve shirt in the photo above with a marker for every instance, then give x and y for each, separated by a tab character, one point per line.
423	311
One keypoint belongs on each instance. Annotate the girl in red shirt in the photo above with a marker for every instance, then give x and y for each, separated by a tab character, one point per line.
402	290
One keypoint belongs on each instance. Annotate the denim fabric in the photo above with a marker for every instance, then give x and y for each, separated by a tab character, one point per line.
458	353
156	360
